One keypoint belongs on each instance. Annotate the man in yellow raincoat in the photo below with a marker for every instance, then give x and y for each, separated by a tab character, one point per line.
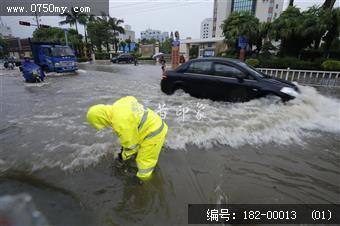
140	130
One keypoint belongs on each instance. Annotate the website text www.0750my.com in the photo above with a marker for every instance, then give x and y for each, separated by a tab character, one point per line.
47	8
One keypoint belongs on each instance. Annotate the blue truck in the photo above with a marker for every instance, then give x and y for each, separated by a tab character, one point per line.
54	57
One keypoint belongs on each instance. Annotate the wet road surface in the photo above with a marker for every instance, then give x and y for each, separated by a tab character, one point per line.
262	151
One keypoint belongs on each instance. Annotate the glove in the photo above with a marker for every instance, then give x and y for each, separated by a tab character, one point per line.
137	181
120	157
120	154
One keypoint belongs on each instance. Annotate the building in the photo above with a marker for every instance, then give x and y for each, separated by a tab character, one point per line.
264	10
206	28
154	34
222	10
268	10
129	34
18	47
206	47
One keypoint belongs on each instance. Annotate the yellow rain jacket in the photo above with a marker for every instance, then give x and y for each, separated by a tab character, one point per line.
140	130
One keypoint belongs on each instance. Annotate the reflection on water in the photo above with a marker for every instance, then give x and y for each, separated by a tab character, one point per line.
262	151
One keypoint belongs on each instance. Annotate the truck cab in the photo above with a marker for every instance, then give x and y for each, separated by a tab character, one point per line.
54	57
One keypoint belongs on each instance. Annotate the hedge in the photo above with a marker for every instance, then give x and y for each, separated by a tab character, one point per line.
289	62
145	58
102	56
331	65
82	59
253	62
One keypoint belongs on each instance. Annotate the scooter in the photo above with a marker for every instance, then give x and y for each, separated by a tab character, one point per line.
32	72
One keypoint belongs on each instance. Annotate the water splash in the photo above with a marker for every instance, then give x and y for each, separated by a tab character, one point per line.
265	120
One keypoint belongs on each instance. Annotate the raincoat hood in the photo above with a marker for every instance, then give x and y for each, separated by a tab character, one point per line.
100	116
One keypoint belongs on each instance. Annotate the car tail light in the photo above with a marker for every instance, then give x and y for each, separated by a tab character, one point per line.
164	75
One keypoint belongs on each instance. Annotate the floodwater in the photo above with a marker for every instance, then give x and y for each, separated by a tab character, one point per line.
262	151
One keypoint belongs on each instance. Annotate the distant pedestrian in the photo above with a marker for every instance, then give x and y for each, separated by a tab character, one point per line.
135	61
181	59
162	62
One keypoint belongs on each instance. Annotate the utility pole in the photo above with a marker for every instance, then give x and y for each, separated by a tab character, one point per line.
65	33
37	18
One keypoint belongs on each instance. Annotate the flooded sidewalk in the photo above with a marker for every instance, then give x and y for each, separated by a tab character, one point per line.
263	151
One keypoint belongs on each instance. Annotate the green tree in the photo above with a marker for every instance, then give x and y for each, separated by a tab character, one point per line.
128	43
105	31
288	28
165	47
54	34
99	33
263	35
333	28
193	52
122	44
72	18
328	4
115	26
148	41
114	29
3	47
241	24
315	23
84	20
137	45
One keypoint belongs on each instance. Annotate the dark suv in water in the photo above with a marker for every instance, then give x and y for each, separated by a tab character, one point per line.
123	58
225	79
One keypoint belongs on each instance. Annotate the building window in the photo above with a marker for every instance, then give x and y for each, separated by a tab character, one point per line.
243	5
277	6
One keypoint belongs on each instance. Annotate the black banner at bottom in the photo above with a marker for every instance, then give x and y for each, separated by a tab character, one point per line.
264	213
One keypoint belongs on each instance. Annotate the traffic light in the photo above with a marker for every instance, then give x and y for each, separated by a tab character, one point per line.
24	23
44	26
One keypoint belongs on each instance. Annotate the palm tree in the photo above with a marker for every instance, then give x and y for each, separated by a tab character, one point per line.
128	42
328	4
122	44
115	26
107	35
72	18
241	24
84	20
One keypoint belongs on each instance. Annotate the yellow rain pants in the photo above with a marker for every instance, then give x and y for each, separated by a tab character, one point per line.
140	130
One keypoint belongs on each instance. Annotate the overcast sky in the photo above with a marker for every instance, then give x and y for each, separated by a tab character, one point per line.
165	15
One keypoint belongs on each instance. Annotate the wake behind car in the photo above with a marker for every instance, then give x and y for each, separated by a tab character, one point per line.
123	58
225	79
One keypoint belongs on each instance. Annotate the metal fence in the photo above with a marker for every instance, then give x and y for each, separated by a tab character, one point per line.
315	78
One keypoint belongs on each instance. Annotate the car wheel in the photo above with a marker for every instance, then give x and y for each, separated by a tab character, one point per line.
179	89
168	91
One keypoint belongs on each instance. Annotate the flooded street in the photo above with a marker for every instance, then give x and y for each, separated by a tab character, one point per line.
261	152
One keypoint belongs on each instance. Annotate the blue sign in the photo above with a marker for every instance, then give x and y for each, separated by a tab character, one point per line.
242	42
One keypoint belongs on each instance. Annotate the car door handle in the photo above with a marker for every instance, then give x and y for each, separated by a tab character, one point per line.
255	90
